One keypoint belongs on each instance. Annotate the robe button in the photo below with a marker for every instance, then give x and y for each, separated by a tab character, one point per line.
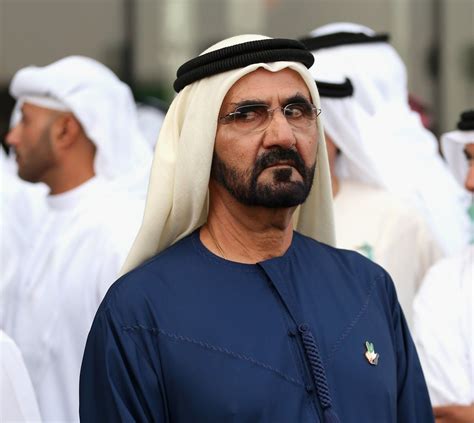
303	327
291	333
309	389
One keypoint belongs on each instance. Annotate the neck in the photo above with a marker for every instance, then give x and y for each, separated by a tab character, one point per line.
68	178
242	233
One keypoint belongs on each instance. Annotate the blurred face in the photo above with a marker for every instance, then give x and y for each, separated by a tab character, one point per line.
30	139
469	152
266	159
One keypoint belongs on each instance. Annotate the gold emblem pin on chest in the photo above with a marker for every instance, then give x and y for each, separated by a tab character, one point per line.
371	356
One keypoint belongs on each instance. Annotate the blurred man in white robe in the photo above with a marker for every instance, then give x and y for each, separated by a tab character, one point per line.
79	135
404	155
368	218
17	397
444	307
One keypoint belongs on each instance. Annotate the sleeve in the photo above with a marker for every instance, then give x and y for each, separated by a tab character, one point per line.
119	382
17	399
441	342
413	402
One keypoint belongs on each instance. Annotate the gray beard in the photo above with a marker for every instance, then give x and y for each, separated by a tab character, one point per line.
280	193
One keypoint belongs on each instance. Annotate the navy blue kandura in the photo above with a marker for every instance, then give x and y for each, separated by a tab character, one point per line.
190	337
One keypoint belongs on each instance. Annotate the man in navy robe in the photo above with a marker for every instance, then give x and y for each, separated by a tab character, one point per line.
227	313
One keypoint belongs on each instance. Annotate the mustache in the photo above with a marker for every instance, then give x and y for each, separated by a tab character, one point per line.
277	155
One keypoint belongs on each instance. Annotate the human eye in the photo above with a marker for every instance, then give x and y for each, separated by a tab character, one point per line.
250	113
298	111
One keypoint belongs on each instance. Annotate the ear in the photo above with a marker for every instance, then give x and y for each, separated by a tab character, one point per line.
65	131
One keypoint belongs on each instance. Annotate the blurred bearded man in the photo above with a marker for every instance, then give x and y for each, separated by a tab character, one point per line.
77	134
227	313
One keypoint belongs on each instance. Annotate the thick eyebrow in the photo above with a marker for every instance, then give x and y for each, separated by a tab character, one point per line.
297	98
467	154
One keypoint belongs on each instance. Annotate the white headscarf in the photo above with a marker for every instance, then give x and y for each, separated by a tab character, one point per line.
177	201
452	144
102	104
383	141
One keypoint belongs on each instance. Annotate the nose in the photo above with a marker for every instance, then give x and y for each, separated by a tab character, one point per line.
279	132
469	182
12	138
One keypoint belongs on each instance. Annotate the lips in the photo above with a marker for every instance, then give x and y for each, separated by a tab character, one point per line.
282	163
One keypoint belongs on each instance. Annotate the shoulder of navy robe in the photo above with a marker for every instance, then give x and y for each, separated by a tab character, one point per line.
316	335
